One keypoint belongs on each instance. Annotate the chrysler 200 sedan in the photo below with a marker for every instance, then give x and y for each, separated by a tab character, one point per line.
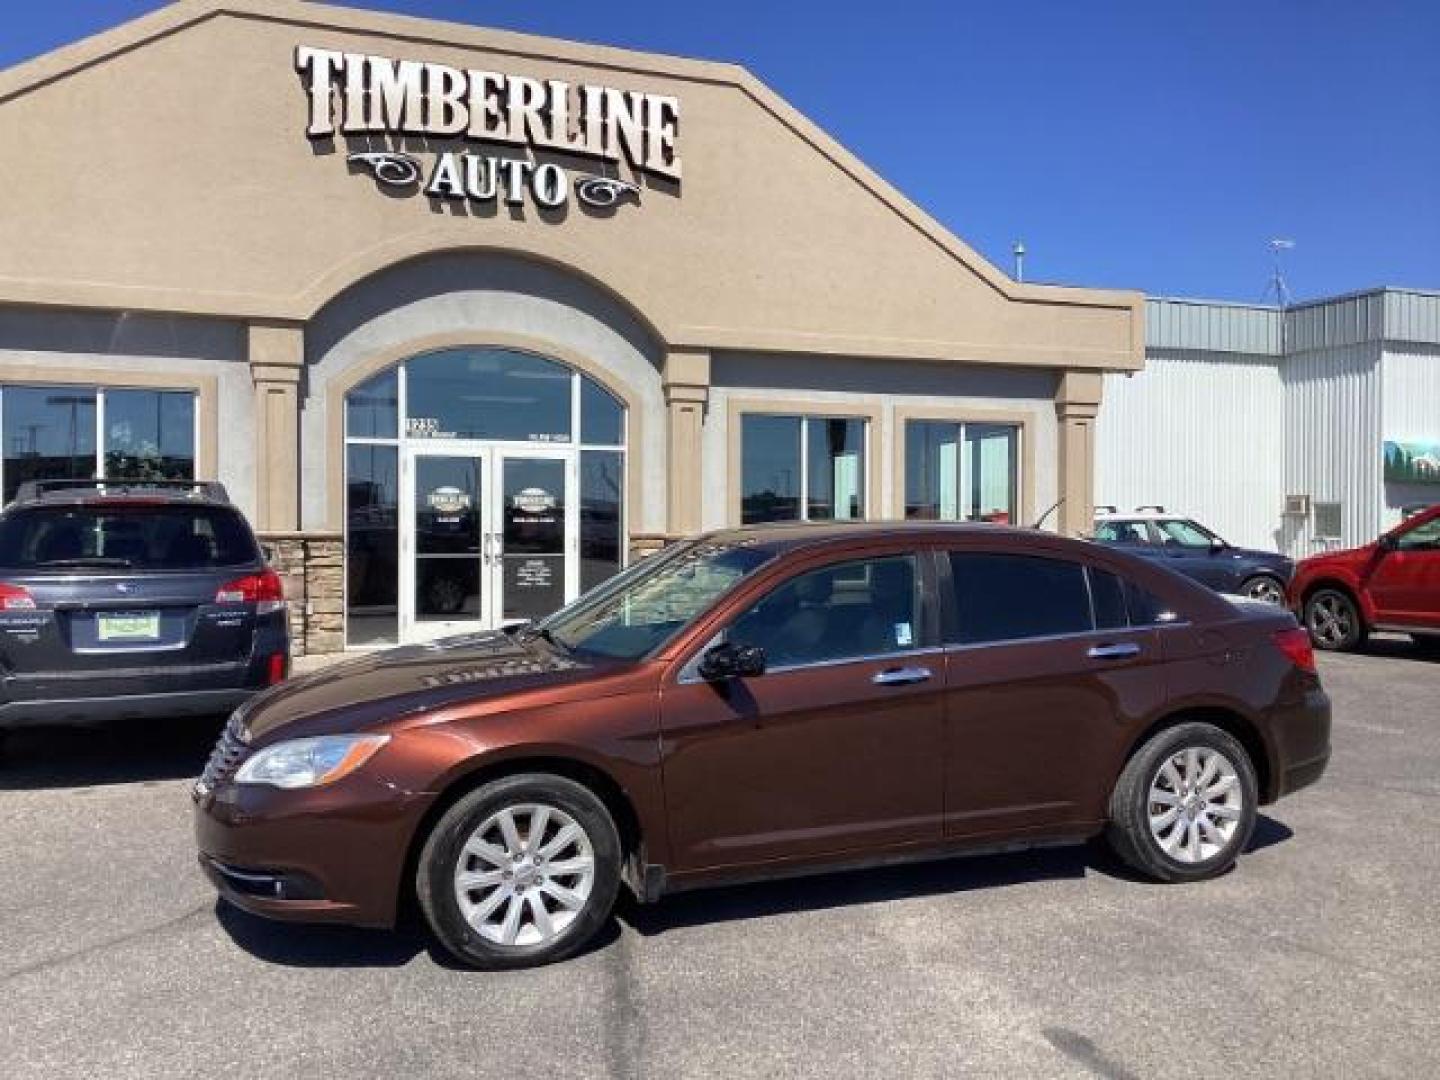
763	701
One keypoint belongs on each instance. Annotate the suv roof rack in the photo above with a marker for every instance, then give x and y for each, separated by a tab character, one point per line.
213	490
1156	507
1105	508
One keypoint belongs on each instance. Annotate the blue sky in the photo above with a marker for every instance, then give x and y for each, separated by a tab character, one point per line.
1154	145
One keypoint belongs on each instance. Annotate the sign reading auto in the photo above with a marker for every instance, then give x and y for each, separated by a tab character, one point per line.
360	95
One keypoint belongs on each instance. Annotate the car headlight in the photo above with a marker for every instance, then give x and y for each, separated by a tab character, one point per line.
299	763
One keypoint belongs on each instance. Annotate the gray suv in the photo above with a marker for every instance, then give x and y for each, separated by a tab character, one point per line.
137	599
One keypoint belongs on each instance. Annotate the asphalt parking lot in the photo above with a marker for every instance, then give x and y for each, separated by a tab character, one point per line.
1315	958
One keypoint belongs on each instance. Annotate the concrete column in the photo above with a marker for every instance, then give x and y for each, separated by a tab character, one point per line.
1077	403
686	380
277	357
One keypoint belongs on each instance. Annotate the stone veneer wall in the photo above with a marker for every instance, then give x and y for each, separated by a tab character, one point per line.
311	565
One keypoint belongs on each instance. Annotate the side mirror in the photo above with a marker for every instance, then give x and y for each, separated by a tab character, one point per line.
1389	542
1217	546
726	661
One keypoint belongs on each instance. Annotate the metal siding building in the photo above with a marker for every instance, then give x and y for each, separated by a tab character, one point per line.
1240	406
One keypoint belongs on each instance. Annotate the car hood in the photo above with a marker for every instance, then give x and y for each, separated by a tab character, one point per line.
1263	558
1344	556
381	687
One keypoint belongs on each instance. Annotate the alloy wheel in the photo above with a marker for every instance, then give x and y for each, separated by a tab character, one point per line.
1331	620
1195	804
1266	589
525	875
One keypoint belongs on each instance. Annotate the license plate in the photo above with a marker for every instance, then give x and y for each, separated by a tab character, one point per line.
129	626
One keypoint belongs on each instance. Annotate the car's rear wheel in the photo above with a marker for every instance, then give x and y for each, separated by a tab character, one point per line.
1263	587
1184	806
1334	621
520	872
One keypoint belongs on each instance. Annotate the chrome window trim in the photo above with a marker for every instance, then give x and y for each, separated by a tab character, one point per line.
972	645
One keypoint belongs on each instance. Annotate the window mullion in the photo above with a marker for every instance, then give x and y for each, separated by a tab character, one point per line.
100	433
804	485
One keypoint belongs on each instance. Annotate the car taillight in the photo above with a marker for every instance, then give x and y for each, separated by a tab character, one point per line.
264	590
1295	644
276	668
15	598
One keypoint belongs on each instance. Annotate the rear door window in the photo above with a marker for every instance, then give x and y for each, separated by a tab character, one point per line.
1015	597
1107	597
64	539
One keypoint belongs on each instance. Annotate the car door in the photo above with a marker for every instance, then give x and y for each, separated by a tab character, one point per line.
836	747
1045	677
1404	582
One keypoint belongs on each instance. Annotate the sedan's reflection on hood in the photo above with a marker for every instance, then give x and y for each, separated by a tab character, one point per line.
359	693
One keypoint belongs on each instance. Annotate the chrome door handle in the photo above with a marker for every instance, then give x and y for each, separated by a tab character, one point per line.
902	676
1114	652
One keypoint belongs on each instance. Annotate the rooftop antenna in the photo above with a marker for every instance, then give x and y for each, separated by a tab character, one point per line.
1277	285
1018	250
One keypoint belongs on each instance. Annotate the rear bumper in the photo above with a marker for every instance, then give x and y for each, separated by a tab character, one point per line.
81	710
1302	738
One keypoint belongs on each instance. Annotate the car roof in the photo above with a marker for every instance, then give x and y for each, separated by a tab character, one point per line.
786	536
33	493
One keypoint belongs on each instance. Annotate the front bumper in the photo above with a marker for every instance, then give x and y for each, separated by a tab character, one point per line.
335	853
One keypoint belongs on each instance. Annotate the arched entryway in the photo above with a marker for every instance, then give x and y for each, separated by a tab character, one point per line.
483	485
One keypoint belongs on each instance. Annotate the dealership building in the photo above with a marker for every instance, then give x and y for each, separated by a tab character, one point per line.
464	320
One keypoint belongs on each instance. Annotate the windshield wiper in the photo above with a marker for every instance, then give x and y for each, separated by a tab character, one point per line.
89	560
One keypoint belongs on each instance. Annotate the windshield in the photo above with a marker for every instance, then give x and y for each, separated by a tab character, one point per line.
643	608
164	537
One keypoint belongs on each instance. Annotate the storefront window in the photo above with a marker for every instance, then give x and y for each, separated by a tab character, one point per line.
149	435
961	472
602	484
602	418
834	480
487	394
372	409
372	544
794	468
84	432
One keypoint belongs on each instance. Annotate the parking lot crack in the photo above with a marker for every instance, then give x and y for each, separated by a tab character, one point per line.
156	930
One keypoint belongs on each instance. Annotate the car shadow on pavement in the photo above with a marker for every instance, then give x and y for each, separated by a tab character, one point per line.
114	752
1399	647
318	945
958	875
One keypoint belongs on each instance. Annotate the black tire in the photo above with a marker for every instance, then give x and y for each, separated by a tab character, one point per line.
1347	633
1272	586
444	848
1129	832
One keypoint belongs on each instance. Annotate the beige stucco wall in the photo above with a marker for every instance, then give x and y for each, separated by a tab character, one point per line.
165	166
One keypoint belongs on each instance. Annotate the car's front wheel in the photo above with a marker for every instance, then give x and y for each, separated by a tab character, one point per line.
520	872
1334	621
1184	806
1263	587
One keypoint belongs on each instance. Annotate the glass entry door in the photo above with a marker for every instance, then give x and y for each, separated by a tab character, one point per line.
488	537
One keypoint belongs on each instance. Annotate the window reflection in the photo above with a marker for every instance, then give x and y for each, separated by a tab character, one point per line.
779	484
372	499
961	472
487	394
149	435
49	434
770	468
602	486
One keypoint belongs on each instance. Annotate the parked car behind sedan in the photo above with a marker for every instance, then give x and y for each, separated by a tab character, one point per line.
1391	584
1188	547
140	599
763	701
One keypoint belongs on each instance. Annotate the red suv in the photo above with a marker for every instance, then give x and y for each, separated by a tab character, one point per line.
1392	584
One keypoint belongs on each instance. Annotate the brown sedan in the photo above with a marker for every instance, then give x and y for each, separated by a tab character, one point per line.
759	701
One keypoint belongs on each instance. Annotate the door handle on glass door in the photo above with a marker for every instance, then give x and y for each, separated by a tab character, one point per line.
901	676
1122	651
